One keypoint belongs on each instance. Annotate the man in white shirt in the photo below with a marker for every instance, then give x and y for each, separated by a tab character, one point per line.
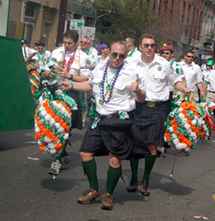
71	58
155	75
193	76
42	56
109	134
133	53
209	78
71	63
86	46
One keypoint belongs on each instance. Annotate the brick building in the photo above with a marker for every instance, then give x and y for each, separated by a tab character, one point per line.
179	21
34	20
207	35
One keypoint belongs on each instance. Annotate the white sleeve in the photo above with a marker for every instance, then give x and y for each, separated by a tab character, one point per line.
84	70
199	76
174	74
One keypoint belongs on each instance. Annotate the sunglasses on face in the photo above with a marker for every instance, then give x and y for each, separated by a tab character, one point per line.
68	42
149	45
190	56
115	55
83	42
166	53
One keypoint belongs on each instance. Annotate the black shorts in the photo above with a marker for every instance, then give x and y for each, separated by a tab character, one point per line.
111	135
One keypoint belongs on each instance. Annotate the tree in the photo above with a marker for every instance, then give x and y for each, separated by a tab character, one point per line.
121	18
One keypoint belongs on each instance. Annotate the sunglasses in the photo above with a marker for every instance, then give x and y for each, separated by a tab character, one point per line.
68	42
166	53
115	55
190	56
149	45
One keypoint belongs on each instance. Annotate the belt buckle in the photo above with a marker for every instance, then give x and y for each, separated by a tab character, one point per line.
151	104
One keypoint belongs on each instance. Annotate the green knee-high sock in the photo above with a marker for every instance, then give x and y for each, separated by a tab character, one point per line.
134	163
149	163
90	170
113	176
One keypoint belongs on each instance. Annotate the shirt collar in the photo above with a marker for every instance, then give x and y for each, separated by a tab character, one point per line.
156	60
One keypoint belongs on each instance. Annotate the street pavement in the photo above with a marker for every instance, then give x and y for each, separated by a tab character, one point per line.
27	193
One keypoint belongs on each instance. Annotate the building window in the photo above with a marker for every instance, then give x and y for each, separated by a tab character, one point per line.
28	30
172	7
30	9
189	13
154	5
183	12
28	18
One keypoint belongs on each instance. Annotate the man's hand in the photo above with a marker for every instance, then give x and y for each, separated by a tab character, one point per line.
66	85
186	91
134	86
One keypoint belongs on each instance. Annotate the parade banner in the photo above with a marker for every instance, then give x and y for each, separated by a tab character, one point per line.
15	95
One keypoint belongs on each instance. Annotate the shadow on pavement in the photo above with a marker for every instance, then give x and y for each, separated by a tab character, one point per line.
59	185
164	183
170	185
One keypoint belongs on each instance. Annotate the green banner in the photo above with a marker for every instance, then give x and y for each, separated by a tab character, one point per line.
16	109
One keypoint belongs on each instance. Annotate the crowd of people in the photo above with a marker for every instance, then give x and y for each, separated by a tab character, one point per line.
132	89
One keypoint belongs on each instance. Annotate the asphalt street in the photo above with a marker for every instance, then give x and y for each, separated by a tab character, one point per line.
27	193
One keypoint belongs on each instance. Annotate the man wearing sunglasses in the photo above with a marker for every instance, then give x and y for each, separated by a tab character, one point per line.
154	73
109	133
193	76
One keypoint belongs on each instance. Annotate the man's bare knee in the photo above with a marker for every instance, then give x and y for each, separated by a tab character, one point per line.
86	156
114	162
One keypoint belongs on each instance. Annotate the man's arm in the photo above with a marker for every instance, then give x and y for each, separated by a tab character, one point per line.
202	90
79	78
134	88
77	86
181	86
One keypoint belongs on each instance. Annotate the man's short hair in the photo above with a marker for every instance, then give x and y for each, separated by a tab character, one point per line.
40	43
188	51
147	35
72	34
119	42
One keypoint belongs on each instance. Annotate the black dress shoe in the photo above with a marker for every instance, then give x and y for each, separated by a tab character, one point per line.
143	192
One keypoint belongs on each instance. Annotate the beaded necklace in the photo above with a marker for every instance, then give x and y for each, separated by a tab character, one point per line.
105	97
68	63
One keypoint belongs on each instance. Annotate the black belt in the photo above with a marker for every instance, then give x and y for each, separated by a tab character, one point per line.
153	104
109	116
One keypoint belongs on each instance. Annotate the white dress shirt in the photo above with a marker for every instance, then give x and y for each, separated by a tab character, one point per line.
27	52
79	64
210	80
193	75
122	99
92	57
133	55
156	77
